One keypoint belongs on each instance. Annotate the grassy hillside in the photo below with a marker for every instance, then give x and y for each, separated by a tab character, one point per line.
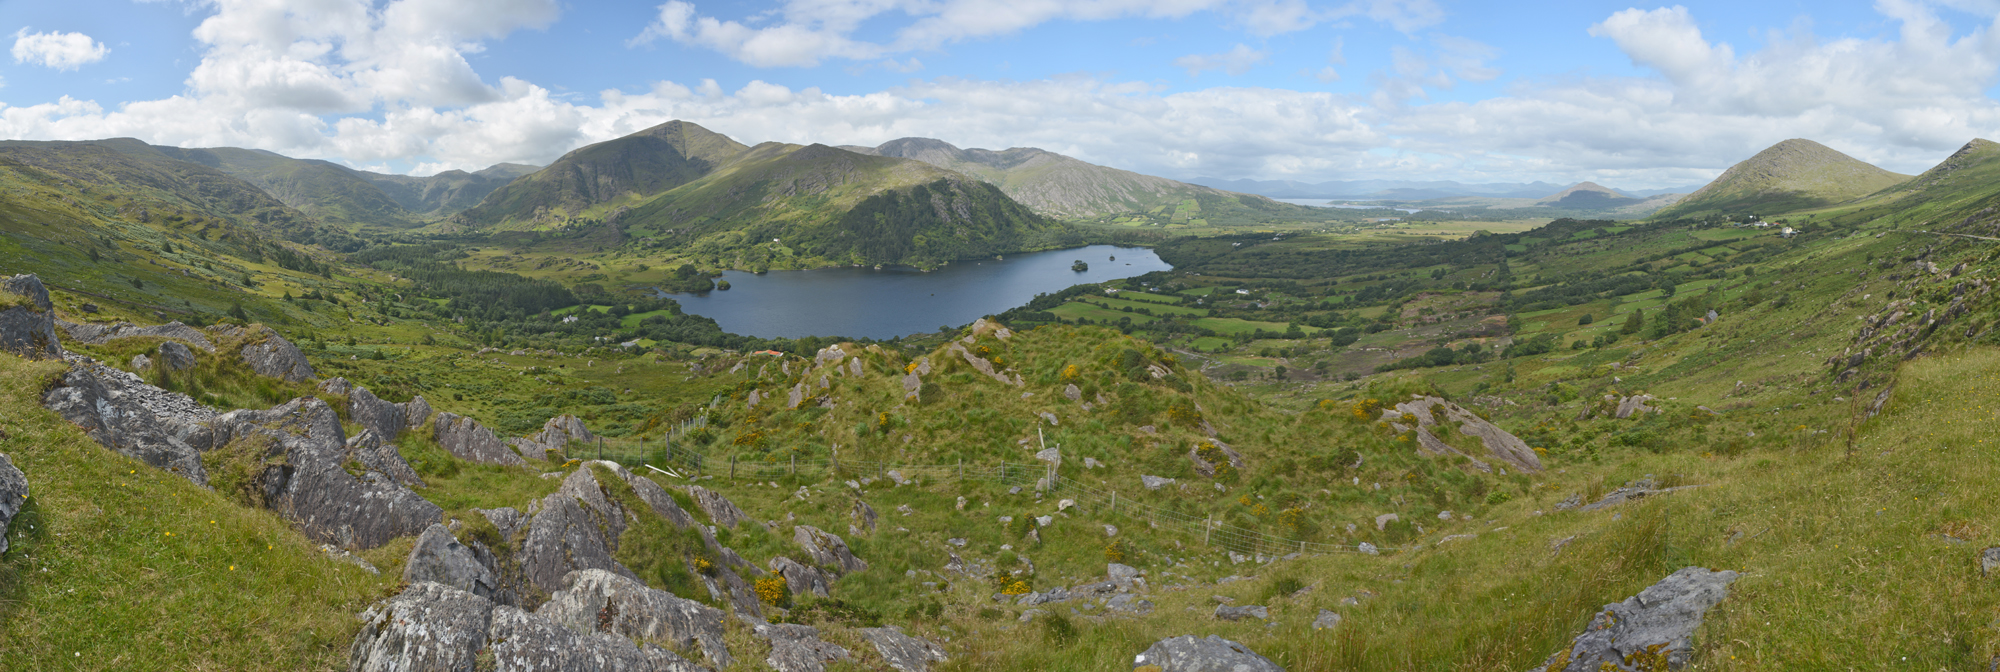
636	166
1791	175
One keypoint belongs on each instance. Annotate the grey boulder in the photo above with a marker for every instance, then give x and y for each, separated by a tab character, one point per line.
470	441
368	449
100	334
796	648
372	413
901	651
13	494
272	356
428	626
1327	619
720	510
1659	622
439	558
576	528
600	601
28	325
801	579
1214	654
176	356
827	550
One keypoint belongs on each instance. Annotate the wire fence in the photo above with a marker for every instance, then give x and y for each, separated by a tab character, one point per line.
1101	502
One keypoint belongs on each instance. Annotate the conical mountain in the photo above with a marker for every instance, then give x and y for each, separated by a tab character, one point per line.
1587	195
634	166
1792	175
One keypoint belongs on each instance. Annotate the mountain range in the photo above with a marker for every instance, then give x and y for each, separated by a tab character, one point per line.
1406	190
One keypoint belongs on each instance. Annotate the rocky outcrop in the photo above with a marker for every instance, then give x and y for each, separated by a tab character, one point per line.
801	579
1652	630
576	528
1214	654
985	366
470	441
431	626
600	601
556	436
271	355
120	412
374	454
293	459
1634	404
416	411
720	510
100	334
28	322
13	494
374	414
827	550
1225	612
439	558
796	648
1208	455
903	652
1431	413
175	356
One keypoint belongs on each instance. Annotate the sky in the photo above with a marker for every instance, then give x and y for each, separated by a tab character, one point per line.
1635	96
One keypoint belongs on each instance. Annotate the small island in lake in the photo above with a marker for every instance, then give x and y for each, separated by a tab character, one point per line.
1079	266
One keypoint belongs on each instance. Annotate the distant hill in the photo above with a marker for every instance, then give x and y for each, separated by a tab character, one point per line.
448	192
775	205
1791	175
1587	196
1050	183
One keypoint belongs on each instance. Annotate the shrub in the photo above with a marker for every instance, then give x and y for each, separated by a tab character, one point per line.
771	590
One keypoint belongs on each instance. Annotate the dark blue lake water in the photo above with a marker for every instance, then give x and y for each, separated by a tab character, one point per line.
898	301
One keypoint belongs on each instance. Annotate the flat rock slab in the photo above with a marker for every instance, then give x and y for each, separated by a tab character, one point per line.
597	600
903	652
1186	653
439	558
122	413
797	648
468	440
1651	630
100	334
1228	613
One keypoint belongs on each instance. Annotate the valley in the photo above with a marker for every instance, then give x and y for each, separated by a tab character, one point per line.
1433	441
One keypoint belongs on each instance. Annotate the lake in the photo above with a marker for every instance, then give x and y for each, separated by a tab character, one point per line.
899	300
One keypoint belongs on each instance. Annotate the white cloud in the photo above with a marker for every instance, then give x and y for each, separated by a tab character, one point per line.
62	51
808	32
1235	61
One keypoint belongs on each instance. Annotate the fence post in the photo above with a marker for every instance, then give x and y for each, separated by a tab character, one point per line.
795	465
600	448
1205	528
1114	501
732	466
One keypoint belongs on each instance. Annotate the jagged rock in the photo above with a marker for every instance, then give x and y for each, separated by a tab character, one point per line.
797	648
901	651
336	386
1048	417
577	528
1570	502
827	550
1155	482
1214	654
854	366
1631	492
658	499
556	435
1430	411
428	626
272	356
864	513
28	324
802	580
13	494
897	476
1634	404
120	412
100	334
594	600
1651	630
1367	548
141	362
372	413
720	510
440	558
1327	620
1072	392
416	411
368	449
471	441
176	356
984	366
295	455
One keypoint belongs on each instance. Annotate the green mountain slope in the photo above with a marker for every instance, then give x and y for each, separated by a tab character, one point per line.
331	192
615	171
1791	175
449	192
1051	183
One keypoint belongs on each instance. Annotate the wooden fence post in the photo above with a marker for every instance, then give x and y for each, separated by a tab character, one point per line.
732	466
1206	527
